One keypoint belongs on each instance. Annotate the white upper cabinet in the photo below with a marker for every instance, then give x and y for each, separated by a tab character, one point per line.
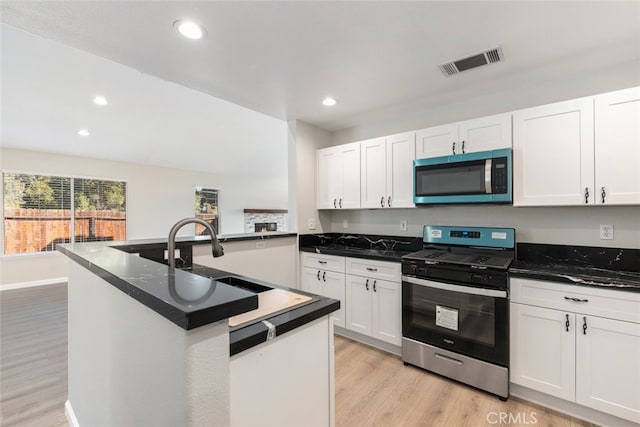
553	154
485	133
338	180
617	147
387	171
580	152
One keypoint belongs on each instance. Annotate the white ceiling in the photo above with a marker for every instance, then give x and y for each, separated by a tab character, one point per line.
283	58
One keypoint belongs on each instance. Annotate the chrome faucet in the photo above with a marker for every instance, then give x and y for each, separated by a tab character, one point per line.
216	249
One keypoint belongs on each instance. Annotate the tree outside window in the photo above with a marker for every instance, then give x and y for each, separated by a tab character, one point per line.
206	208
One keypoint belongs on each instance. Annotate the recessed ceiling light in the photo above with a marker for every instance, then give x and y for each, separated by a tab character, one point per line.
329	102
100	100
83	132
189	29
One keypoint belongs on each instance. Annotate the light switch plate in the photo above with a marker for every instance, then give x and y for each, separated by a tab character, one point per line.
260	244
403	225
606	231
176	252
311	224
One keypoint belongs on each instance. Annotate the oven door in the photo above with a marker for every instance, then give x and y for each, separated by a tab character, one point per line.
464	319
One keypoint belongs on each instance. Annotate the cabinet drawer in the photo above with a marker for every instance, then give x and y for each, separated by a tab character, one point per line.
611	304
324	262
375	269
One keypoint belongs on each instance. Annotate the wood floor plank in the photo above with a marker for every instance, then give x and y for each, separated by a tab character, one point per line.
373	388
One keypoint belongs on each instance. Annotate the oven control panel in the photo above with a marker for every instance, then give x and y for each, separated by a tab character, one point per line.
460	275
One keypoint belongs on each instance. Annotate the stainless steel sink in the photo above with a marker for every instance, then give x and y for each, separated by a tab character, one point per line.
244	284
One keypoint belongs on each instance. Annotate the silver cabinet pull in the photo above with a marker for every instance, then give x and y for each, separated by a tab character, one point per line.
389	201
586	195
576	299
371	269
603	193
453	147
382	202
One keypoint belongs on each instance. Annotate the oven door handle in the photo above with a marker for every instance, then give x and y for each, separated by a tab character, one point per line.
455	288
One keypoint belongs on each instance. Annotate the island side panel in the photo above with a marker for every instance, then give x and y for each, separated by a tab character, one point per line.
287	381
271	260
129	366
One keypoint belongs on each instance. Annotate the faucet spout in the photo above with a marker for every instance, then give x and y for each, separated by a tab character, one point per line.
216	248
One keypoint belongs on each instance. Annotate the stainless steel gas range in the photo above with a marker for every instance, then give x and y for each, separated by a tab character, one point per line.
455	307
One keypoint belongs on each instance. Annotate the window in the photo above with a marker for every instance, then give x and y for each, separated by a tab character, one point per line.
41	211
207	209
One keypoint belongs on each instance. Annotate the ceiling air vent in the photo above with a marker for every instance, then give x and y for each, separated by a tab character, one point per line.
484	58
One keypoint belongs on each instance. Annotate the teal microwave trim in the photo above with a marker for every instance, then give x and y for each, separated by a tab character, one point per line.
505	198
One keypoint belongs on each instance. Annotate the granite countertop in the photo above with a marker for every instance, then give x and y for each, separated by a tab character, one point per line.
191	296
586	276
611	268
383	248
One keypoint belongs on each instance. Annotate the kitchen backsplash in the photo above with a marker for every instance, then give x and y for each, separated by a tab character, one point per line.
279	219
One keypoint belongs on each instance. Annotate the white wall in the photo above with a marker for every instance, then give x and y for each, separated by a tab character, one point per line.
563	226
541	91
309	139
156	198
566	225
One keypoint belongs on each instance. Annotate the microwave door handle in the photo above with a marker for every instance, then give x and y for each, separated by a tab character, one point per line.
487	176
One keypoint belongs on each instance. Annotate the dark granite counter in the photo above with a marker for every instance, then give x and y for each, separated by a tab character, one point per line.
611	268
189	296
383	248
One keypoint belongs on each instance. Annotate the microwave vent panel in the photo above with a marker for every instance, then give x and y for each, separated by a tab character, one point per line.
478	60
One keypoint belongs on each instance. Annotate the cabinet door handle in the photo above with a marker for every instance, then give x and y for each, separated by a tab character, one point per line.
453	147
566	324
576	299
322	262
586	195
463	147
371	269
366	285
382	202
340	203
374	286
584	326
318	275
335	203
324	276
389	201
603	194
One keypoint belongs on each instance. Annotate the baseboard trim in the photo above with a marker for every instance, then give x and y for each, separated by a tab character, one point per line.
33	283
569	408
372	342
71	416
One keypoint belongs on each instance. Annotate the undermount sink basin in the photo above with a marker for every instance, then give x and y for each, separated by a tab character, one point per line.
243	284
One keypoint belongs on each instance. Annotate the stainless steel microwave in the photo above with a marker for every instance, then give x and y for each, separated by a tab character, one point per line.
481	177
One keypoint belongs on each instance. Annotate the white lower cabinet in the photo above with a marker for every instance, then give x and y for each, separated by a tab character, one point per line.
324	275
559	347
374	305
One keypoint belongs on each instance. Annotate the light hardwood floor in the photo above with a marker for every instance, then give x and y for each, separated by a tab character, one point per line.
373	388
33	356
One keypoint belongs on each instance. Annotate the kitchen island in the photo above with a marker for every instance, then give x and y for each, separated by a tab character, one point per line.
151	345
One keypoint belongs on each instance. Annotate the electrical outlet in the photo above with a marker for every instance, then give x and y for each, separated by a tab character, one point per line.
260	244
176	252
403	225
345	223
606	231
311	224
